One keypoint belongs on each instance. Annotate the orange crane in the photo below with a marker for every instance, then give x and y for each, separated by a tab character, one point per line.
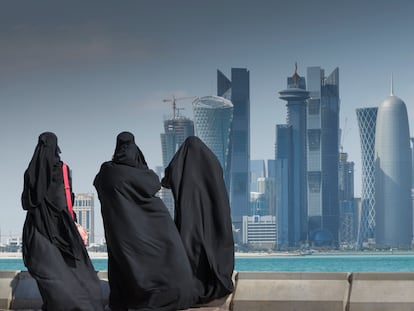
173	101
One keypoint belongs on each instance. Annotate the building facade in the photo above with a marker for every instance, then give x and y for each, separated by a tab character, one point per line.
260	231
393	218
237	90
367	120
323	154
212	123
176	130
85	213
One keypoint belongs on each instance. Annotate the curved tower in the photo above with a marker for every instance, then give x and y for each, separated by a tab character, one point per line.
212	124
393	175
367	120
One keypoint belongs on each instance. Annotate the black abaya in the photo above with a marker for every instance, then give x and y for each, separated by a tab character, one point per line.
147	265
53	250
202	216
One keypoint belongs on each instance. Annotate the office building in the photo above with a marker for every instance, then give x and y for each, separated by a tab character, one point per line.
347	206
267	186
323	155
393	218
257	170
85	212
237	90
212	124
367	120
176	129
283	183
260	231
294	205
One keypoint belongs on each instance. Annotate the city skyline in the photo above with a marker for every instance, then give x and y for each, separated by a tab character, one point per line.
88	71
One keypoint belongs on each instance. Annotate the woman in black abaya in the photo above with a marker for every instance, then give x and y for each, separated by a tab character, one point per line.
202	216
53	250
147	265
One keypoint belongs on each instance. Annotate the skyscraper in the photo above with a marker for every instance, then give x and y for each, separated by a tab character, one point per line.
393	175
212	124
347	205
296	96
323	153
84	209
238	92
367	120
283	183
176	130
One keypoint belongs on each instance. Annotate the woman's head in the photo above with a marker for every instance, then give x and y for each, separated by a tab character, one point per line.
127	152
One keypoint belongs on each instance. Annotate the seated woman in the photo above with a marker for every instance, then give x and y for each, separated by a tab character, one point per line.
53	250
148	268
202	216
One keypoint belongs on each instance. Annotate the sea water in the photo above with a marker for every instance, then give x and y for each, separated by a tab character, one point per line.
307	263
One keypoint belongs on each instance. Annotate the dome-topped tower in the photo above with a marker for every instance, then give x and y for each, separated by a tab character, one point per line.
393	174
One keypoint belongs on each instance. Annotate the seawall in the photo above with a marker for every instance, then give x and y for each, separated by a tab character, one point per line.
262	291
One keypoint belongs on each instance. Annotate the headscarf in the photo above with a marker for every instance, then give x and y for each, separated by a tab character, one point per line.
127	152
38	175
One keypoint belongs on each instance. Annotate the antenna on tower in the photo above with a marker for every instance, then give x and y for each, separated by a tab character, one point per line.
392	85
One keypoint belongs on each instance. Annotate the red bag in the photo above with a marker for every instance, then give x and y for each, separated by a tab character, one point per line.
82	232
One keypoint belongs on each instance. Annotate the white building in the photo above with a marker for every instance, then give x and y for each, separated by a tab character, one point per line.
259	230
84	209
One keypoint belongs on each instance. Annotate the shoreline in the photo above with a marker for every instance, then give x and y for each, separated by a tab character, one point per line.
104	255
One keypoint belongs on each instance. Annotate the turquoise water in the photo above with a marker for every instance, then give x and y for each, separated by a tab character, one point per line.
309	263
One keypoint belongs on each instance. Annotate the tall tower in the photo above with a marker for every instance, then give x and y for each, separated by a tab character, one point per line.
367	120
238	92
323	154
296	96
176	130
84	209
393	175
212	124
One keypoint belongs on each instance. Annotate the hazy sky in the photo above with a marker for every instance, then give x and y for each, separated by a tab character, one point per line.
88	70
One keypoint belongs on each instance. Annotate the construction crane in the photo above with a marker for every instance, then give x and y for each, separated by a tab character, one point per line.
174	105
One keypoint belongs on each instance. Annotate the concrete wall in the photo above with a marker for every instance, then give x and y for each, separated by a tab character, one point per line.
260	291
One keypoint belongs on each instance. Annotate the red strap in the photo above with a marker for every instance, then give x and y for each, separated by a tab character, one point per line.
67	188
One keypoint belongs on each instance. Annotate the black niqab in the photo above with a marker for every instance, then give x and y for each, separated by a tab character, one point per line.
53	250
202	216
147	265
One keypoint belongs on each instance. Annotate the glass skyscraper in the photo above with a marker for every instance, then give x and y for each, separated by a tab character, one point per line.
237	90
323	154
212	124
84	209
367	120
176	130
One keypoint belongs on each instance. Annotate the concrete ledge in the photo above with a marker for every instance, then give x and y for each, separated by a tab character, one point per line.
382	291
291	291
262	291
6	288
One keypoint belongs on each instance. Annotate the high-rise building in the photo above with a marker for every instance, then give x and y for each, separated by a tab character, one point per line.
367	120
393	219
296	206
84	209
257	170
347	205
176	130
212	124
283	183
323	154
237	90
266	185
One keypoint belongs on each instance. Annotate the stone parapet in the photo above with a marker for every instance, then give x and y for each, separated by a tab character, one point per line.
262	291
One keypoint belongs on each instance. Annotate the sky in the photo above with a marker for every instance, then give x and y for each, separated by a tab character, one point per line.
87	70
